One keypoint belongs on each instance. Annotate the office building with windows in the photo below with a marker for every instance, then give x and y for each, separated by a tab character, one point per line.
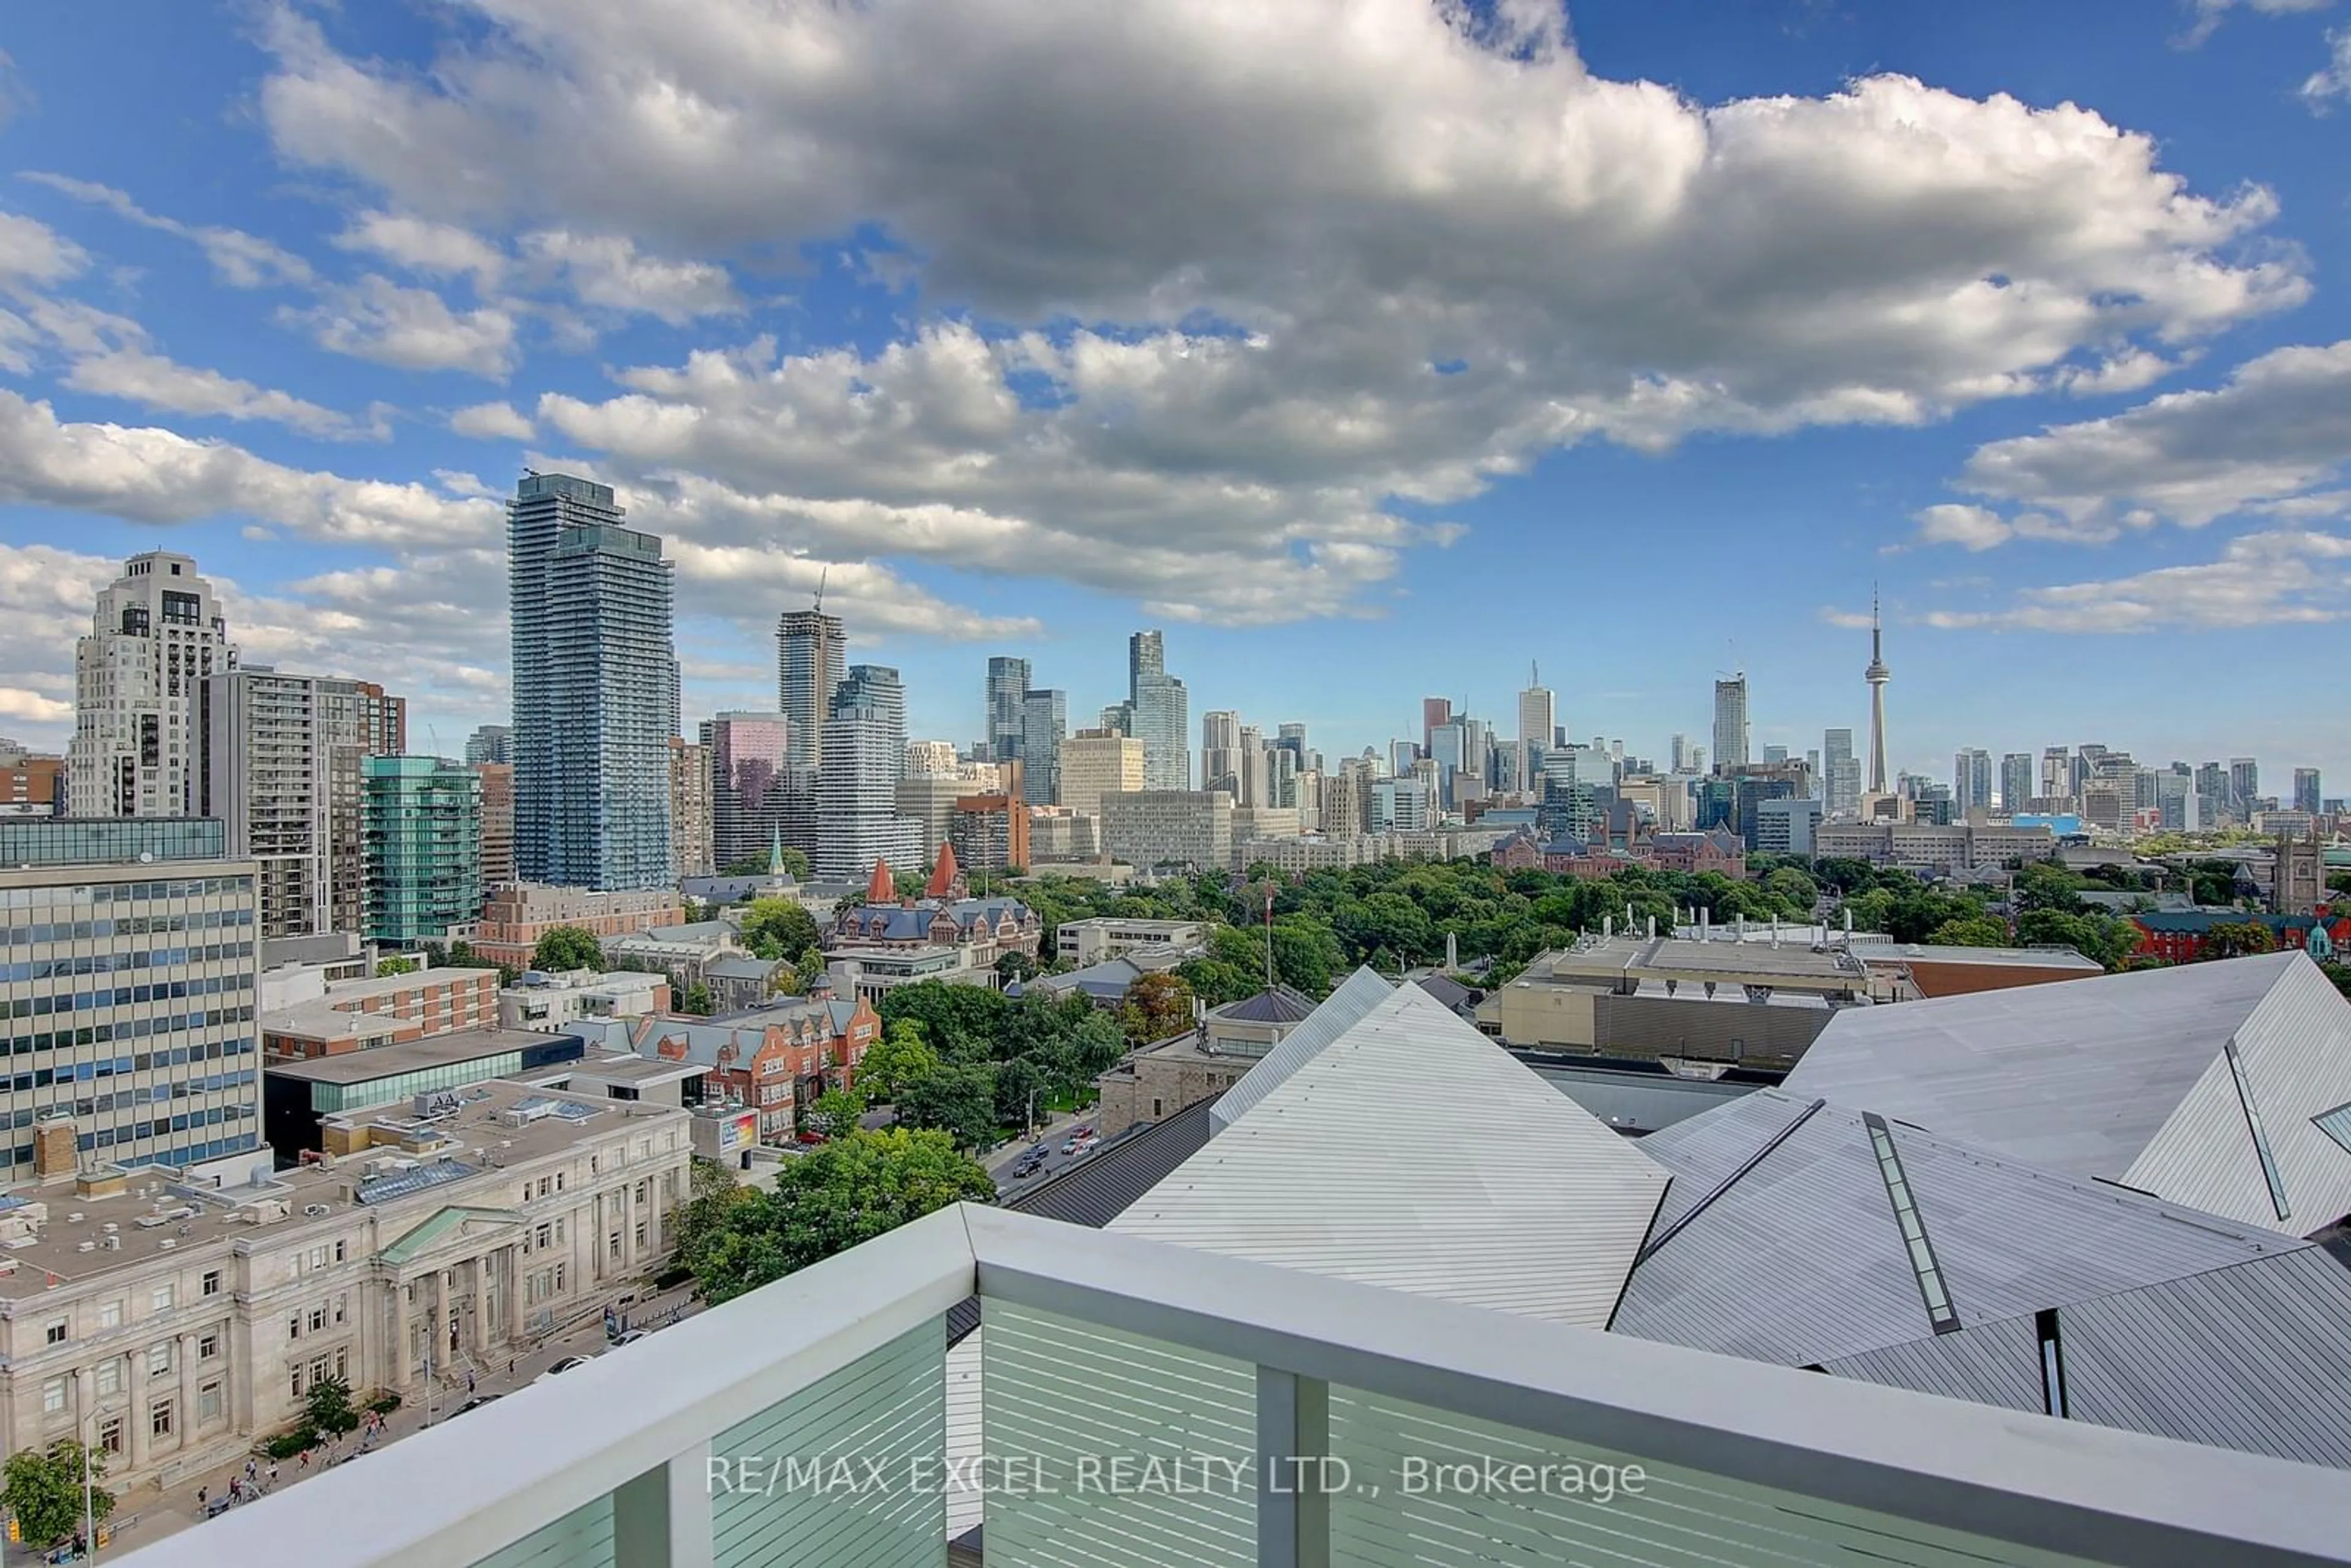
138	743
490	743
1044	720
595	689
876	689
1731	724
128	993
750	753
1158	714
1007	690
2306	793
1971	780
423	837
690	834
857	821
497	856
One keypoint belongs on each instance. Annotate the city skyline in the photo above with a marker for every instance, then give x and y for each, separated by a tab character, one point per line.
256	342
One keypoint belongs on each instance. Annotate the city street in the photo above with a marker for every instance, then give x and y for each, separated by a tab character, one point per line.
155	1514
1052	1134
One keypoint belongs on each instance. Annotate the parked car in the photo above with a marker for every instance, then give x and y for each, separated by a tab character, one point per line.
1070	1147
476	1402
566	1364
628	1336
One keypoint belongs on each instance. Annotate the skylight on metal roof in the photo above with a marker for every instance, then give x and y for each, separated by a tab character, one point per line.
2261	1136
1931	1289
431	1174
2336	1124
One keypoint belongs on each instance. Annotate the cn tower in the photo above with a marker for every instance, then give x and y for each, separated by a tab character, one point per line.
1877	675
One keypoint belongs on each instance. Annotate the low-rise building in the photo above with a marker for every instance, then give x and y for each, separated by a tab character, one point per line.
979	930
174	1324
1159	1080
774	1060
1091	940
2182	936
1058	835
301	1095
740	982
684	953
354	1015
547	1002
1938	971
1662	998
516	916
1937	850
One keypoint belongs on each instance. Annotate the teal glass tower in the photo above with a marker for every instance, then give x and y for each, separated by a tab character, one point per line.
424	835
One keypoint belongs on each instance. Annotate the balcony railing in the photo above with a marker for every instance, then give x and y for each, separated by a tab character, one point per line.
1157	1406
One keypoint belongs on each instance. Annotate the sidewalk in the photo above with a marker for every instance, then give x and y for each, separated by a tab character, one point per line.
166	1513
1051	1130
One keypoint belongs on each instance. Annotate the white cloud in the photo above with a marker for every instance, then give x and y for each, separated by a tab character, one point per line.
2334	79
443	250
412	328
242	260
2287	578
2281	425
2207	14
609	272
33	253
492	422
155	381
1970	528
150	475
1277	262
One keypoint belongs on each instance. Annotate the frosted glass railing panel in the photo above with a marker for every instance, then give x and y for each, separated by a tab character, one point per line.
580	1539
844	1473
1116	1451
1431	1489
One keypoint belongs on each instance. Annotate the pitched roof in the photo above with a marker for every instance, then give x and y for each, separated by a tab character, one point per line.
1278	1004
1102	1186
881	887
942	874
1353	997
1779	1240
2256	1356
2132	1079
1544	1223
1447	989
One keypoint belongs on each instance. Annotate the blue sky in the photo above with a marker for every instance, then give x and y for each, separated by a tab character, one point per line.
1372	351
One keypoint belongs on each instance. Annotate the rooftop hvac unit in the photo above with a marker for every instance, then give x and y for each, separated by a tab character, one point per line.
86	1247
167	1244
314	1210
114	1243
109	1227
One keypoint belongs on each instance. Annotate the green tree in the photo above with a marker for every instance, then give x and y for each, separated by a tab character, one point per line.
778	927
959	1100
567	947
2237	939
894	1060
698	999
827	1201
834	1114
387	968
796	866
2100	937
1014	966
2340	974
1021	1084
2047	886
712	1192
1974	931
42	1488
328	1409
1157	1007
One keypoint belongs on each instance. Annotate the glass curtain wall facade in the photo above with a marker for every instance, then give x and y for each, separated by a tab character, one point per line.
424	847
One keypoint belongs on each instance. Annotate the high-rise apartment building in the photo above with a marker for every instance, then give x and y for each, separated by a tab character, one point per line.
170	1071
383	720
156	633
2306	793
1840	777
1731	724
1676	755
1095	763
857	820
691	844
1007	691
1434	711
990	833
2016	780
749	757
1044	720
2056	773
807	668
1158	714
490	743
1971	780
282	769
423	828
498	857
1220	751
877	689
595	689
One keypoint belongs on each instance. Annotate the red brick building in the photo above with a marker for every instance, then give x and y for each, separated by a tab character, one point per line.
2181	937
776	1059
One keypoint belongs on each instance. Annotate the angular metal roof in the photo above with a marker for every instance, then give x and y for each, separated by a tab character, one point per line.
2255	1357
1100	1187
1353	997
1279	1004
1414	1153
2127	1079
1780	1240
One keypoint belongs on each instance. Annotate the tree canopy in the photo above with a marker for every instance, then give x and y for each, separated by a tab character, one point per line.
42	1488
2237	939
567	947
825	1201
957	1099
896	1060
778	928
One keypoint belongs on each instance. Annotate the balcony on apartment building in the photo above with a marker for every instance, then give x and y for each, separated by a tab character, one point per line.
1146	1403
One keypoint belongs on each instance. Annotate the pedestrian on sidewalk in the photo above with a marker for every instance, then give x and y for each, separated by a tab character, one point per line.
510	1360
202	1495
469	1380
272	1472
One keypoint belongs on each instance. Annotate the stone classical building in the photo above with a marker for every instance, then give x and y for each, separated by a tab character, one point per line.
1160	1080
174	1324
